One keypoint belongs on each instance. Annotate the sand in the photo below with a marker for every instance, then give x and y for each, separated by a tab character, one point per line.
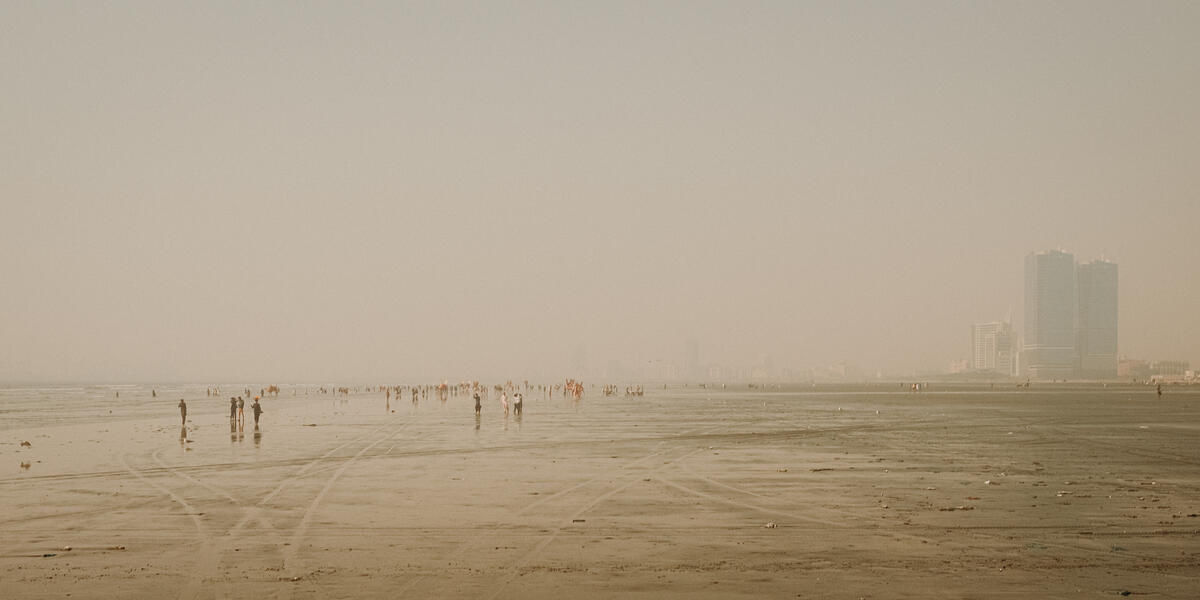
825	493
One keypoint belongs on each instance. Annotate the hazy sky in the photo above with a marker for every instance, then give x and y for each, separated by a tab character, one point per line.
379	191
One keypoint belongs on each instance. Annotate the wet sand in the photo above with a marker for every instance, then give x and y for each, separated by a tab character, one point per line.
698	493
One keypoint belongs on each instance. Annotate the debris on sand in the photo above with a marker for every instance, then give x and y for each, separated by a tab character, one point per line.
770	525
308	425
25	465
819	469
26	444
952	508
115	548
578	520
783	470
65	549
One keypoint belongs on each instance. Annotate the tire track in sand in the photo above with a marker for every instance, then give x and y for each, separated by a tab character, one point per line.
463	546
208	569
207	556
514	570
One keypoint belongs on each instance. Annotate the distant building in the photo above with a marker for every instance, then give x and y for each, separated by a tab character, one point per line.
1096	335
1070	325
1132	367
960	366
1169	369
1050	315
994	348
715	372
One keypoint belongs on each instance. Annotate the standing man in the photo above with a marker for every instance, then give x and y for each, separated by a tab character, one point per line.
182	412
257	408
233	408
477	406
241	413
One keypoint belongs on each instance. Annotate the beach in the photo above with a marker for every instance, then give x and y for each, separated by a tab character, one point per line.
867	491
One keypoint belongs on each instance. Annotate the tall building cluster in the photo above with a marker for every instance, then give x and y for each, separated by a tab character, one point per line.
1070	328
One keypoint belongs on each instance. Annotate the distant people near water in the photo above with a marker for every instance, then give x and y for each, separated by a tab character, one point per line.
504	402
518	403
478	406
258	411
1160	390
233	408
182	412
241	413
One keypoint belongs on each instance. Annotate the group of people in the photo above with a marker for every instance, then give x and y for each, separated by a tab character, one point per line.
237	411
518	402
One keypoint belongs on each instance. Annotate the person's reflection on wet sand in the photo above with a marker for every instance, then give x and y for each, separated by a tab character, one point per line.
257	437
476	421
233	429
183	436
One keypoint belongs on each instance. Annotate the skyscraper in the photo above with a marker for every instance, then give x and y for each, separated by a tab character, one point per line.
994	348
1049	349
1096	337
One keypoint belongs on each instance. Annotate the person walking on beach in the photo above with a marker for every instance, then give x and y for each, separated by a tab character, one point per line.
241	412
258	411
1160	390
232	408
182	412
477	405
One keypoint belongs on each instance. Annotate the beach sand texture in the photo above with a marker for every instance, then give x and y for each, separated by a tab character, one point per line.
863	492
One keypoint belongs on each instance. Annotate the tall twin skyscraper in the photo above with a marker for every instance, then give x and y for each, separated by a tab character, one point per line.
1070	318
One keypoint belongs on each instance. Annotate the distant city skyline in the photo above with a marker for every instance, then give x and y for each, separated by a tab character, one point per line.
413	192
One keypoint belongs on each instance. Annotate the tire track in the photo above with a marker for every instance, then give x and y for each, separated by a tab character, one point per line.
462	547
254	513
207	557
514	570
291	550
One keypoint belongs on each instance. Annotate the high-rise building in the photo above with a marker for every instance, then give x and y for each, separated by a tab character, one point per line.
1048	350
1096	336
994	348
